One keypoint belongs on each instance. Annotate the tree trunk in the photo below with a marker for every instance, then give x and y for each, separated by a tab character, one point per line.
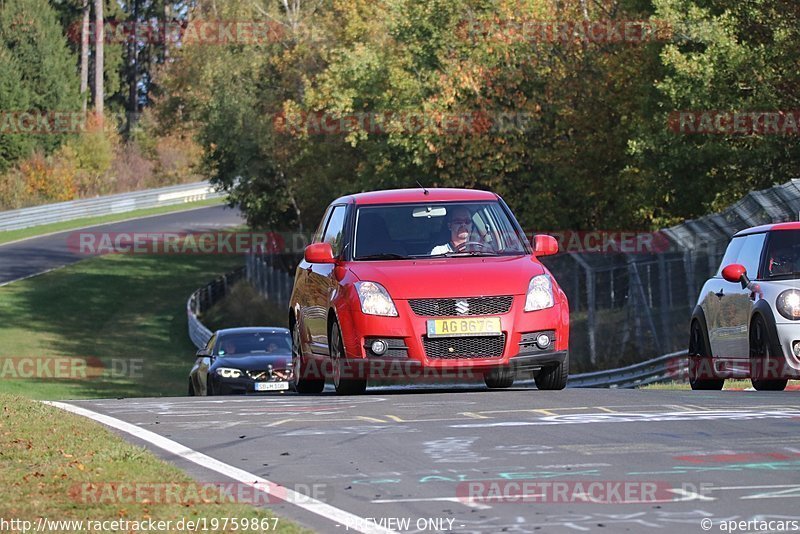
133	65
99	38
84	54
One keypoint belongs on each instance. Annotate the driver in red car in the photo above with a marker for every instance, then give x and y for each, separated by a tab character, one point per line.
459	221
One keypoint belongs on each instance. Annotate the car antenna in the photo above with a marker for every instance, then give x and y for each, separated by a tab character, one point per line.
424	191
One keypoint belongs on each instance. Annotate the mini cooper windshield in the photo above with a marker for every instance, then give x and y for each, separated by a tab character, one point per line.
403	231
783	255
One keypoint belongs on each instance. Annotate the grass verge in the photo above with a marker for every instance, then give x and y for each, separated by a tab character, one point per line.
729	384
64	467
8	236
125	315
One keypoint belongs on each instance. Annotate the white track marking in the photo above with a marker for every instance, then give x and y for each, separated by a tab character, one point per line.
338	516
32	275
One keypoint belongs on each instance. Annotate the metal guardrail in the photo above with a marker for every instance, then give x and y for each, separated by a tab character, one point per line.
202	299
673	366
108	205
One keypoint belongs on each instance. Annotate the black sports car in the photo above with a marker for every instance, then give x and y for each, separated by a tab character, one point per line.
242	361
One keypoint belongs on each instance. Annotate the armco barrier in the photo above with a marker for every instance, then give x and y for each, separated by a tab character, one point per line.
673	366
108	205
202	299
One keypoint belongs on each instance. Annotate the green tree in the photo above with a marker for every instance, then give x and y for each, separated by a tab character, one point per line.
31	33
729	57
13	96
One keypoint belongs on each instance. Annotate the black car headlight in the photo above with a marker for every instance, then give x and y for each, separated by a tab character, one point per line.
227	372
788	304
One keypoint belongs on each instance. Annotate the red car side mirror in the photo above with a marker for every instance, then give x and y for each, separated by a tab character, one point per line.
319	253
545	245
734	273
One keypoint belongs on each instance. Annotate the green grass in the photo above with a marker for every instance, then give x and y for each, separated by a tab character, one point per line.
24	233
50	457
116	308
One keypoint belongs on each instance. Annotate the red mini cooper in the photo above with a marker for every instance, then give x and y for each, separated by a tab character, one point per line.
426	282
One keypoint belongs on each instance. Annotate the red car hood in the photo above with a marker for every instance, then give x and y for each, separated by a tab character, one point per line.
451	277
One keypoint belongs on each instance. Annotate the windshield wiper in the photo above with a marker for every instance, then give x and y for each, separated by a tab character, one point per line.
384	256
469	253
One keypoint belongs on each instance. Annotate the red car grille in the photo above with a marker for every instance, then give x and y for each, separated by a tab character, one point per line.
461	307
452	348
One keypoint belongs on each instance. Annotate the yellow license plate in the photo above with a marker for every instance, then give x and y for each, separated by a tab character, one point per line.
473	326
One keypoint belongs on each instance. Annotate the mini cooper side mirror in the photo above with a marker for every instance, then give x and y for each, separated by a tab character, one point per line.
319	253
545	245
734	273
203	353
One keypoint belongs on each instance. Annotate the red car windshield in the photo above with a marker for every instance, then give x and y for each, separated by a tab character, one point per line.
435	230
783	254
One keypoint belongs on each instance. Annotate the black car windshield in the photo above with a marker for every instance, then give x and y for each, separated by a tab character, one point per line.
783	254
253	343
404	231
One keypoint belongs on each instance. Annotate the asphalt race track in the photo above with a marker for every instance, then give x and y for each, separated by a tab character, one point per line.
39	254
395	455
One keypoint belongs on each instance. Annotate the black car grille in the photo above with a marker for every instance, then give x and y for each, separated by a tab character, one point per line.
267	376
450	307
452	348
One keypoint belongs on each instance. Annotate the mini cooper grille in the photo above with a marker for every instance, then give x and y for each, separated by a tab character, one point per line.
465	306
464	347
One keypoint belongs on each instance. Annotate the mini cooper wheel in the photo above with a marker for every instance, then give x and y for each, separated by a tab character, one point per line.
303	384
701	368
344	385
499	378
763	364
553	377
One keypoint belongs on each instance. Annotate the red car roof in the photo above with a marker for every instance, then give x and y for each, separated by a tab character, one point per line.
769	228
400	196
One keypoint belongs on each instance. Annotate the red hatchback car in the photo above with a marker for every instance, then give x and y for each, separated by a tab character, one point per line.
438	282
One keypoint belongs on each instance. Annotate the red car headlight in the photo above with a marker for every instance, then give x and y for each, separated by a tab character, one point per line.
540	293
375	300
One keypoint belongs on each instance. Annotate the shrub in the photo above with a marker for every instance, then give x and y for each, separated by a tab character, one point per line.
49	179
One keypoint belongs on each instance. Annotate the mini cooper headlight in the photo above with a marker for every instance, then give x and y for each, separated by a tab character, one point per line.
788	304
540	293
227	372
375	300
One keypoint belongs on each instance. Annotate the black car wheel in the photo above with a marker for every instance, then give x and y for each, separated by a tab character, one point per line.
349	385
191	388
554	377
764	367
302	383
701	369
499	378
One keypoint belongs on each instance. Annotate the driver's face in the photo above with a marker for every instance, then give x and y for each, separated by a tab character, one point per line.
460	224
